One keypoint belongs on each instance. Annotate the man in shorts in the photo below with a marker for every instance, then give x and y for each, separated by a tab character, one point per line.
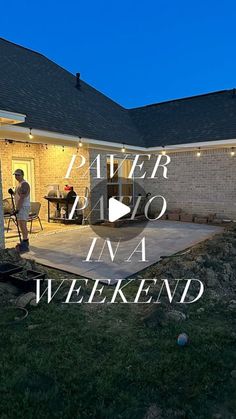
22	202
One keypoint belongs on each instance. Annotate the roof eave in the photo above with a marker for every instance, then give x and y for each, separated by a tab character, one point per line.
21	133
11	118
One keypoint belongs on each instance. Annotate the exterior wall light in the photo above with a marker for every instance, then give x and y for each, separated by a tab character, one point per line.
232	153
123	148
199	152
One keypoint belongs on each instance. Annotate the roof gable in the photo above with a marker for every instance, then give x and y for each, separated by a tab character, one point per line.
32	84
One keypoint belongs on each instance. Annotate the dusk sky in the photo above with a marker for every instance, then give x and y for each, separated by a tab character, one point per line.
135	52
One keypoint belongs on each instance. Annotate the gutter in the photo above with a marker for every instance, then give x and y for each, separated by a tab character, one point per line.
7	117
51	135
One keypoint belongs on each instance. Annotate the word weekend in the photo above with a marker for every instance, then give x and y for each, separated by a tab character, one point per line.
78	292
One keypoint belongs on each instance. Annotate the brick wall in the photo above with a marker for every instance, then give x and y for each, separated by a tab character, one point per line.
98	186
50	166
54	163
1	215
198	185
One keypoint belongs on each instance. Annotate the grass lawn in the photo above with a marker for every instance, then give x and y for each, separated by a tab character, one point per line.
119	361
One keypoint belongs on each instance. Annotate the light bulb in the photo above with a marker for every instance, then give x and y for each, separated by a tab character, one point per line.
163	150
199	152
30	134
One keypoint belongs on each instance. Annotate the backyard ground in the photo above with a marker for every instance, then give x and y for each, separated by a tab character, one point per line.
123	361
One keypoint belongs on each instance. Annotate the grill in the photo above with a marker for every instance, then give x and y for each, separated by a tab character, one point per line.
69	196
61	205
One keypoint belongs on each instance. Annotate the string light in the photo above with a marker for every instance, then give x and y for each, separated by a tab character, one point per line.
27	144
232	152
123	148
30	134
7	142
199	152
163	151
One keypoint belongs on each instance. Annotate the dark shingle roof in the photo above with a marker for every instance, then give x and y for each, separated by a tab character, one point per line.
199	118
33	85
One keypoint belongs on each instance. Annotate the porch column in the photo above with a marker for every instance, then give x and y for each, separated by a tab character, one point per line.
2	243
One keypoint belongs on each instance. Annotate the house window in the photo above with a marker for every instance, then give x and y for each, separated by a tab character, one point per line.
120	184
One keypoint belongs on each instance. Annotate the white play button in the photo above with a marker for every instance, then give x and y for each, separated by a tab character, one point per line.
117	209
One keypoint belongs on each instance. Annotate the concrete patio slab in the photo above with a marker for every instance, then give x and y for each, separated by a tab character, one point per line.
67	250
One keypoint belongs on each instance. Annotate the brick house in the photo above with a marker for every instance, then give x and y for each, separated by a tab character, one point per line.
48	114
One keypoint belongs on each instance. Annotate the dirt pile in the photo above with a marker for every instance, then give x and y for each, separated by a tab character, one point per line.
213	262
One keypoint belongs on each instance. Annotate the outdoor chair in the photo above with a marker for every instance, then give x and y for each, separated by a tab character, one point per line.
7	212
34	214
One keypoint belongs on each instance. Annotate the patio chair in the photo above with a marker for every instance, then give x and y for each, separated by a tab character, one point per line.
7	212
34	214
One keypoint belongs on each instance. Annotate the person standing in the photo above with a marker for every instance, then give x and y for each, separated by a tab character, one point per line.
22	202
